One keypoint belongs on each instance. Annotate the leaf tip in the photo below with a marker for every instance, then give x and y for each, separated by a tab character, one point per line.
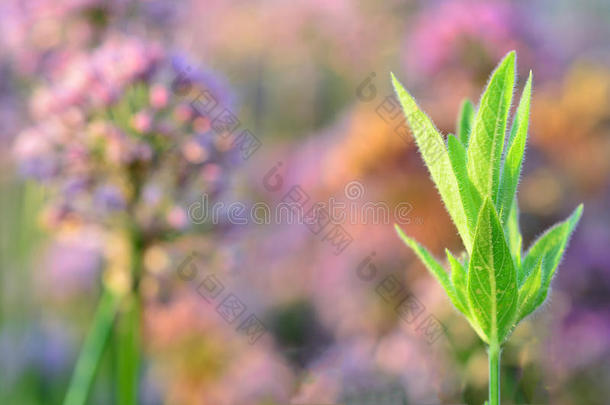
466	104
395	81
400	233
527	90
576	215
509	62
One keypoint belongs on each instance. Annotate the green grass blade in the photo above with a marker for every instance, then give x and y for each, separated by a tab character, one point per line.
487	139
513	162
92	351
465	121
492	279
432	148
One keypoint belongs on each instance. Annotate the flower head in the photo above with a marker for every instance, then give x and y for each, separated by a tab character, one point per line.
111	124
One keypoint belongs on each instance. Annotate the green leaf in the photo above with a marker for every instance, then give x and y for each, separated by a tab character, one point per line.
487	138
492	279
513	234
529	293
93	349
458	280
460	285
431	264
465	121
468	193
549	248
477	177
514	155
432	148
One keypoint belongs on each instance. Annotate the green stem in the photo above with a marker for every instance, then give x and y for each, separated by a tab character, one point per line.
127	352
494	374
92	351
128	331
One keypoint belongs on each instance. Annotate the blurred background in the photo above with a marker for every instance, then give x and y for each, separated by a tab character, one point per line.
121	115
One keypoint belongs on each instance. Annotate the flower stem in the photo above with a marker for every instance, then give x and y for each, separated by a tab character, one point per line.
128	331
494	374
127	351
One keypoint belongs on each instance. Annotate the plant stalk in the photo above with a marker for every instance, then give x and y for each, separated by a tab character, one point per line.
128	331
494	373
127	352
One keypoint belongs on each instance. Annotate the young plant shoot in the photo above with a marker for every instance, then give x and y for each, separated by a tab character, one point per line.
495	285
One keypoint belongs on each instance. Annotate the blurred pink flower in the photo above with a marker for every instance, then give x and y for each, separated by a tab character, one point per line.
105	129
470	35
38	34
204	360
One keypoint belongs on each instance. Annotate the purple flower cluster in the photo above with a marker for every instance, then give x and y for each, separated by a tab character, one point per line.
113	136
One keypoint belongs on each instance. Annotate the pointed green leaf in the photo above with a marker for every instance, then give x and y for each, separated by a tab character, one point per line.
458	280
529	293
513	234
432	265
488	134
514	155
492	279
93	349
468	193
432	148
550	248
465	121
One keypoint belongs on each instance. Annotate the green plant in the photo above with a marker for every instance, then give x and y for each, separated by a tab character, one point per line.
494	285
